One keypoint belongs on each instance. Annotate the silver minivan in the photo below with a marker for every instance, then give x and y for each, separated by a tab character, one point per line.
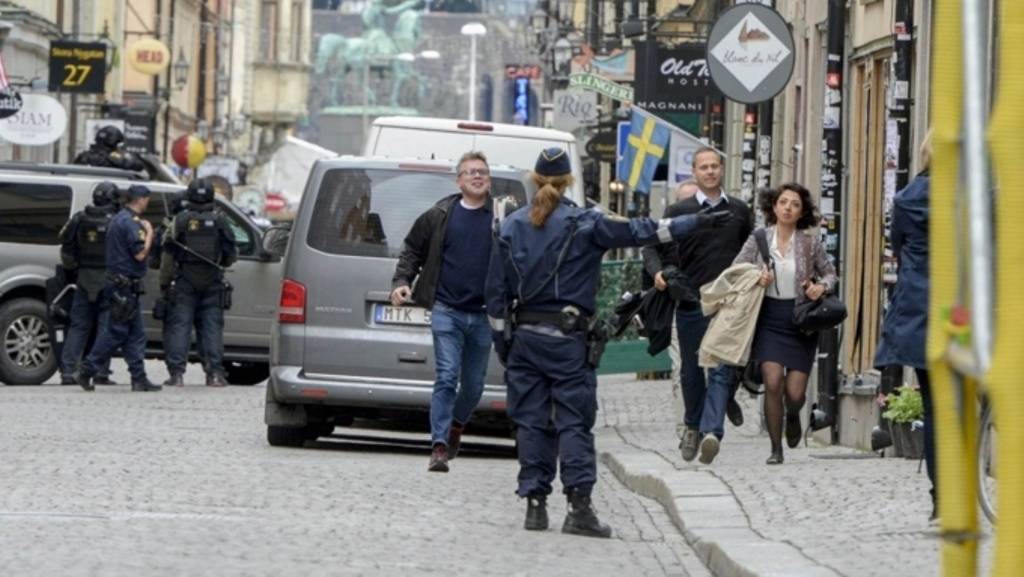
35	202
339	349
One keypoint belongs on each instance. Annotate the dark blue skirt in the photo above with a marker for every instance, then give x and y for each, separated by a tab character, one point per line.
777	339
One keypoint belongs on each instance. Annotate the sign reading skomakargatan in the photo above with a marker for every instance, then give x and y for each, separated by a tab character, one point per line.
750	53
77	66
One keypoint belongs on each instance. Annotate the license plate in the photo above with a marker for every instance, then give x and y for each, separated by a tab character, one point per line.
390	315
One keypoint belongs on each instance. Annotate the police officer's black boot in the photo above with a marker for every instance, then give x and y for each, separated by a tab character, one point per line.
581	519
536	513
144	386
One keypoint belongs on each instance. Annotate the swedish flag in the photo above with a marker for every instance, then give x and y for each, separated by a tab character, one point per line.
647	142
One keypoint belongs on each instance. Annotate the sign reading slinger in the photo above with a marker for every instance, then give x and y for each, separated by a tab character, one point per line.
601	85
389	315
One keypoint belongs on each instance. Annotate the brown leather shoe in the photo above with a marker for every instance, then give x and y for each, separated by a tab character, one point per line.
454	439
438	459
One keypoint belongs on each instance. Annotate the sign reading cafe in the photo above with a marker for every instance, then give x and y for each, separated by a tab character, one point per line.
672	79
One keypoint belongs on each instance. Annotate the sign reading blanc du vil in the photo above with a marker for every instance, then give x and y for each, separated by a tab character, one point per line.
674	79
750	53
77	66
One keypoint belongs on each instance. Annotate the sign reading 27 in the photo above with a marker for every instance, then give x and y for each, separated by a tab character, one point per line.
78	66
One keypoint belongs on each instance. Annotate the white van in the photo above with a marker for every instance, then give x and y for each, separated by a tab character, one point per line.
448	139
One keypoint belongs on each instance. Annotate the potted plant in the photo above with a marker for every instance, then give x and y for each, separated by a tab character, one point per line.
903	408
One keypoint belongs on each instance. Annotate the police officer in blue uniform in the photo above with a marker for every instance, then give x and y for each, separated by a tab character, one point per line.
541	299
202	245
129	240
83	251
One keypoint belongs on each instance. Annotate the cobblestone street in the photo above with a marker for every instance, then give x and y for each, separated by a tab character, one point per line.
182	482
828	510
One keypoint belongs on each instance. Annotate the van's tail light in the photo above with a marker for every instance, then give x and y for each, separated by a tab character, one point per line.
292	307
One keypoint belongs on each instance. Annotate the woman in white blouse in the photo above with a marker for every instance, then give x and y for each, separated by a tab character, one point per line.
799	269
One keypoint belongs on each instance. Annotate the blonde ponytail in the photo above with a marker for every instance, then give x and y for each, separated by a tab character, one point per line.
549	192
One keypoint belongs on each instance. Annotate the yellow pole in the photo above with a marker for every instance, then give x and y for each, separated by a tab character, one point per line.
956	481
1004	382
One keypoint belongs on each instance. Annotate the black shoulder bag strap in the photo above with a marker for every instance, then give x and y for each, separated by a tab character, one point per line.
761	237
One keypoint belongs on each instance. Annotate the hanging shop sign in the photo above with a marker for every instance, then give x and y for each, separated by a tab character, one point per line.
41	120
601	85
574	109
149	56
672	79
10	102
79	67
602	146
750	53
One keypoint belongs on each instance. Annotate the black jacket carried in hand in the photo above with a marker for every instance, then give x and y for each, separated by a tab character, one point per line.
702	256
420	260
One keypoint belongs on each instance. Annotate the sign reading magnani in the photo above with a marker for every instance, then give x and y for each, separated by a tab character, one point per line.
672	79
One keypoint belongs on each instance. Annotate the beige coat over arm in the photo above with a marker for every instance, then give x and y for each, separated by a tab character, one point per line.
734	298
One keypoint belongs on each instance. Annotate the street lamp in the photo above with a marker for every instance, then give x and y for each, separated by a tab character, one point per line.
562	56
473	29
180	69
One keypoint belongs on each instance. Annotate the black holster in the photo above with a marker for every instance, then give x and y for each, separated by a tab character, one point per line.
160	309
597	338
124	305
225	294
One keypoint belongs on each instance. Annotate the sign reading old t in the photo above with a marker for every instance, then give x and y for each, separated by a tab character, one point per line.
750	53
672	79
77	66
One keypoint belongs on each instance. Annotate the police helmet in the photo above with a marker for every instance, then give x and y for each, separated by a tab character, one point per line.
104	194
109	136
200	191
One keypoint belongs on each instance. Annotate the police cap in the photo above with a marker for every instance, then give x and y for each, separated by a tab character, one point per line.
137	191
553	162
200	191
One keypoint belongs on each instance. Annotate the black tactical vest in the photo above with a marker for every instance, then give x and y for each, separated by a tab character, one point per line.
92	237
198	230
201	235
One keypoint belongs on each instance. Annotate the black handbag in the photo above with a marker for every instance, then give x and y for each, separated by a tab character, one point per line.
812	316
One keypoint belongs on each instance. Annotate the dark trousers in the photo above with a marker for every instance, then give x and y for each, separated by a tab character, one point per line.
552	398
188	306
88	320
929	426
130	336
704	398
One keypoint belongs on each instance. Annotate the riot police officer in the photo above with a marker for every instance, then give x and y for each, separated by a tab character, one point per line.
83	251
129	240
541	300
202	245
108	150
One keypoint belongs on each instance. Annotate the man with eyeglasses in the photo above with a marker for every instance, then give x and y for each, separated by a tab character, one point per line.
448	249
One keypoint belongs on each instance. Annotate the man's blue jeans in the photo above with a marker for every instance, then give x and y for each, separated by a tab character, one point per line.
462	347
705	399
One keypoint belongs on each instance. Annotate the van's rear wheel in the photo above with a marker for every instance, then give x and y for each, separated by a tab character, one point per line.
242	373
26	353
287	436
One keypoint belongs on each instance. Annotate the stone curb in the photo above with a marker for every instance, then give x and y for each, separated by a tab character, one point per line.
706	512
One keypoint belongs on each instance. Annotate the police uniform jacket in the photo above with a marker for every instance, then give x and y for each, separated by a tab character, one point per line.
126	239
544	269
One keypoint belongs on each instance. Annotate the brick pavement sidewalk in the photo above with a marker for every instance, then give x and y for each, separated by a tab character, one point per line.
827	511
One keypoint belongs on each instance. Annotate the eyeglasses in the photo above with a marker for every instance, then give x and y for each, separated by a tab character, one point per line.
476	172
